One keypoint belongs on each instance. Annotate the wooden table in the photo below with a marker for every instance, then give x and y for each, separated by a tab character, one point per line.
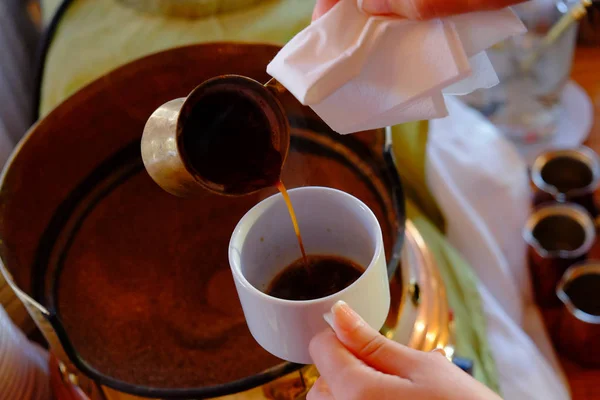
586	72
585	384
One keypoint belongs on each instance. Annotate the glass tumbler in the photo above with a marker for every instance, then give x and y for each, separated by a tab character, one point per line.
526	105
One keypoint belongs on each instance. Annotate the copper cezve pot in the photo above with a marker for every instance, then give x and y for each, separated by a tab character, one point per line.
579	325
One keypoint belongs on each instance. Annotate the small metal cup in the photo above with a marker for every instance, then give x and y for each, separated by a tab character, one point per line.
162	146
570	175
579	326
558	235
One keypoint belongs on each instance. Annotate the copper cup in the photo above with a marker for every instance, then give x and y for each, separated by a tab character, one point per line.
569	175
558	235
163	147
579	326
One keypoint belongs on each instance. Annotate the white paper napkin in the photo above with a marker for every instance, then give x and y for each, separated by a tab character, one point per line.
360	72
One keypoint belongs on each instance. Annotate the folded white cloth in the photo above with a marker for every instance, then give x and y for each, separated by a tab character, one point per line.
360	72
481	185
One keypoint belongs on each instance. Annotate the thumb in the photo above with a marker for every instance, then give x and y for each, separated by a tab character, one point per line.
369	345
322	7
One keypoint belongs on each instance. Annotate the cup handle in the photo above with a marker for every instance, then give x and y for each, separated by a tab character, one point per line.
328	317
274	86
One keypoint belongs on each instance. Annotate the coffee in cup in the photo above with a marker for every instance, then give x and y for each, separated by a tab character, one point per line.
316	277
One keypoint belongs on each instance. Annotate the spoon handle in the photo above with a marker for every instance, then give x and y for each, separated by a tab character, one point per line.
573	15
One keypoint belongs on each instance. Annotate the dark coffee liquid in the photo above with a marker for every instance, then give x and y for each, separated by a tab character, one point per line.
566	173
559	232
227	140
324	276
584	292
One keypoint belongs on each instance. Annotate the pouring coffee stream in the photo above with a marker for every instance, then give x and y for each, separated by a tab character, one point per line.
288	203
230	136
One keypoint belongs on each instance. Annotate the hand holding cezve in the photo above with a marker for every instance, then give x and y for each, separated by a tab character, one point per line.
419	9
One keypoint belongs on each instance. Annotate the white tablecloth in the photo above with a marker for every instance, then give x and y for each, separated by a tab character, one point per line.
481	184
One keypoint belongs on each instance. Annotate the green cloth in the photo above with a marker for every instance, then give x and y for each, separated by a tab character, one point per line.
96	36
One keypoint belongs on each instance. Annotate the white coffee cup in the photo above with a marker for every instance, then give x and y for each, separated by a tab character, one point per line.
331	222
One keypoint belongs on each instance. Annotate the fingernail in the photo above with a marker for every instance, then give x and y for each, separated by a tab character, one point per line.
406	9
374	7
439	350
345	318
